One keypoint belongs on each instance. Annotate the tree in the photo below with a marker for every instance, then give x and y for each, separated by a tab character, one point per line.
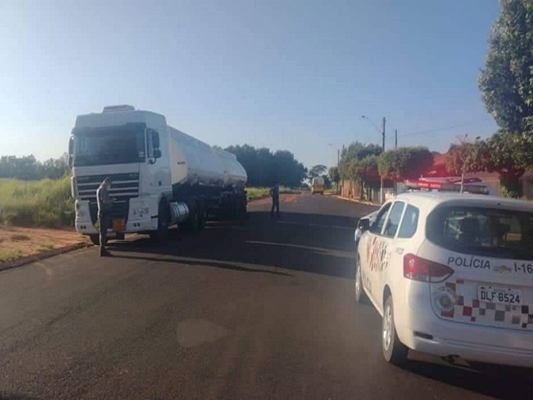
334	176
265	168
361	171
506	82
509	155
356	151
317	170
405	163
29	168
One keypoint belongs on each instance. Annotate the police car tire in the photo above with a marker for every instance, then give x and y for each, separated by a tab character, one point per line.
360	295
396	352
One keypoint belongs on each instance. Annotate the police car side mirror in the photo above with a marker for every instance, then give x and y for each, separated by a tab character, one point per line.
364	224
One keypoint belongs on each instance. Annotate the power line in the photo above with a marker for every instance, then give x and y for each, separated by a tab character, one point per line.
447	128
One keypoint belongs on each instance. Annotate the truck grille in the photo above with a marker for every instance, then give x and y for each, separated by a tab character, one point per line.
123	187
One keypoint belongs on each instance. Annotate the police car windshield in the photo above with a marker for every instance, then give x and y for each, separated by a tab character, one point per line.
482	231
108	147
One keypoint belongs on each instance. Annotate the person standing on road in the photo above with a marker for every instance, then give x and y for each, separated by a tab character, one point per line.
105	204
274	193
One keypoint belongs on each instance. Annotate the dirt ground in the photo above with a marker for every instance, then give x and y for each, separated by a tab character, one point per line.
20	242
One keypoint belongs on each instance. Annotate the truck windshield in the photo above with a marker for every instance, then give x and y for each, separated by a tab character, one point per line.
108	146
482	231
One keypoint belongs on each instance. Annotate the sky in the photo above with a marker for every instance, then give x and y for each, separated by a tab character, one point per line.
292	75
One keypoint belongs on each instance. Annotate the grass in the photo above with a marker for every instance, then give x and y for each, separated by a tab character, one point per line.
9	254
257	193
45	247
45	203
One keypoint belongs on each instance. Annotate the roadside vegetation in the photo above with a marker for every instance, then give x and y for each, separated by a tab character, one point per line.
45	203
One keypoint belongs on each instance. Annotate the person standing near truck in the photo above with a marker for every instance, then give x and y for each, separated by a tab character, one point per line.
105	204
274	193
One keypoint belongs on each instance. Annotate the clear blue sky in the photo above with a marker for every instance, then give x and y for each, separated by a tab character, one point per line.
285	74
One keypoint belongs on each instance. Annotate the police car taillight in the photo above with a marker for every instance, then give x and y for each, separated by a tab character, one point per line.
419	269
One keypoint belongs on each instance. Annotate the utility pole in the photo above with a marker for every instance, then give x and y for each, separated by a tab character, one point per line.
381	193
338	169
396	138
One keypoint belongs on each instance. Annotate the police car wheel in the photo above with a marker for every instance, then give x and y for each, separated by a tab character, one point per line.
360	295
394	351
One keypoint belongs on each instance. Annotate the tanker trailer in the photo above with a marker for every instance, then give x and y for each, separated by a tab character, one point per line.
161	177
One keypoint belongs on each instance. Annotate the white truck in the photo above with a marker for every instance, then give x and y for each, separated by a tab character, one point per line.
160	176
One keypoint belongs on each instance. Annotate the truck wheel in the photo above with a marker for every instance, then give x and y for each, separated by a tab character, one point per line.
193	222
202	216
394	351
161	235
95	239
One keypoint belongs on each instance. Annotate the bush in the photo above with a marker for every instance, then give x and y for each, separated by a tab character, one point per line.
44	203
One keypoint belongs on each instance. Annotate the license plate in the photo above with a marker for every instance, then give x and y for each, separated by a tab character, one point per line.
119	225
499	295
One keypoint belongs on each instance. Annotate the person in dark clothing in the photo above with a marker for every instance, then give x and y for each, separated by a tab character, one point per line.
274	193
105	204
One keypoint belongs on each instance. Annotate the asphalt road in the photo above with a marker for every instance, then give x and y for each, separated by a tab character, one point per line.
260	310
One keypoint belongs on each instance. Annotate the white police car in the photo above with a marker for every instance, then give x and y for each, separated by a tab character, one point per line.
452	275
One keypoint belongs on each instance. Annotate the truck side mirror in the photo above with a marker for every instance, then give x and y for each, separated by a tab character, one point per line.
155	139
157	153
70	150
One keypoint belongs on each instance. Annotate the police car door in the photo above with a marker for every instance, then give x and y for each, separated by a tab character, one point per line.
370	252
384	246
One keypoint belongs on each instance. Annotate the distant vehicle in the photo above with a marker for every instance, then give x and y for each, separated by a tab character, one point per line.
451	275
317	185
160	176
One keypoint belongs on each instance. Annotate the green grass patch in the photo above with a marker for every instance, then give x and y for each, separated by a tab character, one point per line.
257	193
9	254
44	203
45	247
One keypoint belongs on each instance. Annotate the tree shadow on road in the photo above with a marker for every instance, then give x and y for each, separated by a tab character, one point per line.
321	244
495	381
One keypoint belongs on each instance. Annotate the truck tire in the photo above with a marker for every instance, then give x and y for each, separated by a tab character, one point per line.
202	215
242	207
95	239
193	222
163	213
